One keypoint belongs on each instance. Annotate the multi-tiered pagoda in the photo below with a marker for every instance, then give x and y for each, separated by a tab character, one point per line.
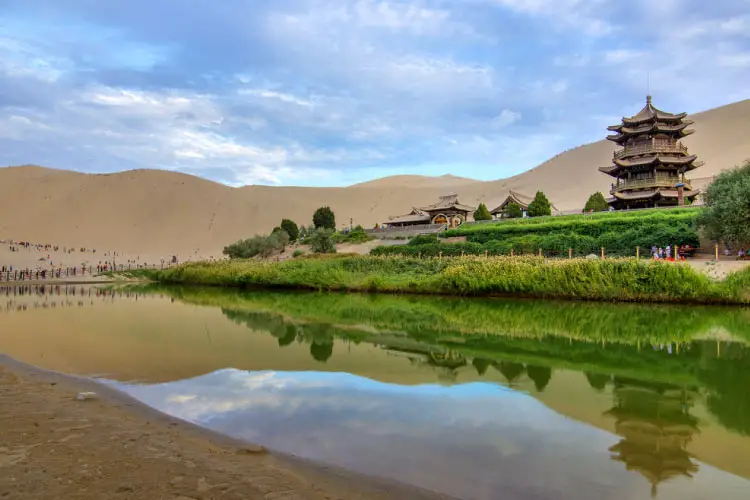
650	168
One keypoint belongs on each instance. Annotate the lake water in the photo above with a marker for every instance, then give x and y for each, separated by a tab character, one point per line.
479	399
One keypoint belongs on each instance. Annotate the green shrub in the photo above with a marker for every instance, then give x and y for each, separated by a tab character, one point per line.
539	206
297	253
321	241
726	217
423	239
482	213
596	203
513	211
261	246
291	229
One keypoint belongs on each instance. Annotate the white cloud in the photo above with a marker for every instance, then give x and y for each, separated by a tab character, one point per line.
507	117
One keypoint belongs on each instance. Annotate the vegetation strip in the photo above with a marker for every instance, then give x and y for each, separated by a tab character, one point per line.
627	280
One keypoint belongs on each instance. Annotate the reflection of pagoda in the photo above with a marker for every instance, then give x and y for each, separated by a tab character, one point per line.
656	427
649	170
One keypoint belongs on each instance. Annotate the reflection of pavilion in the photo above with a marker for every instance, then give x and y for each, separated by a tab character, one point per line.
656	427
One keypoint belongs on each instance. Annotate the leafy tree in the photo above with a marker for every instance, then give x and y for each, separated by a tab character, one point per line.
321	241
481	213
540	206
291	229
323	218
596	203
513	211
303	232
727	214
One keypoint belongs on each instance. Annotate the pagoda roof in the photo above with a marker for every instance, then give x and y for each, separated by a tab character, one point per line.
650	112
446	202
653	193
649	160
687	162
414	216
625	132
521	200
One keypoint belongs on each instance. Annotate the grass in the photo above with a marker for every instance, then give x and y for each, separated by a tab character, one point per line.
577	279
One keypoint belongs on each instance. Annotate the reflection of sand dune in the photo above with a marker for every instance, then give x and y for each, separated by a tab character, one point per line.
166	212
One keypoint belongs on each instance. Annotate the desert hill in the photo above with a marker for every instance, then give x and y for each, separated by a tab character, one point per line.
160	212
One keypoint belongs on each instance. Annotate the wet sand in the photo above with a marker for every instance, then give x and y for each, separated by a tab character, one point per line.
53	446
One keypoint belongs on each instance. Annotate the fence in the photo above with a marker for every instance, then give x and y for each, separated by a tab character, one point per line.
70	272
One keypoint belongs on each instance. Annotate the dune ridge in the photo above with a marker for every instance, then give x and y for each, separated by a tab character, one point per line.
165	212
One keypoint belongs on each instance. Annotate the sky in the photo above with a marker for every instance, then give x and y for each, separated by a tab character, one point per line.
335	92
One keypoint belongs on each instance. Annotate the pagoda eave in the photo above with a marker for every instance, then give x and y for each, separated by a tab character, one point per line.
681	161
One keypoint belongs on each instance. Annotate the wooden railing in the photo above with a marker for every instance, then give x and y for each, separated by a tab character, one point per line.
652	147
70	272
662	181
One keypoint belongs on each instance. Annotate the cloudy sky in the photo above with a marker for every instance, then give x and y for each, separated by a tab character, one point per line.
332	92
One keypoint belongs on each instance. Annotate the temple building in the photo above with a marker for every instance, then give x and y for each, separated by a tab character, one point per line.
447	211
650	168
519	199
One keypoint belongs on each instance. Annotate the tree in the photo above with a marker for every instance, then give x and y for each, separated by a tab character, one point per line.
291	229
513	211
481	213
323	218
596	203
321	241
540	206
726	216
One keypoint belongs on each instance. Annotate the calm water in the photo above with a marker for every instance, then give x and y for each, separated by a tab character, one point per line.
480	399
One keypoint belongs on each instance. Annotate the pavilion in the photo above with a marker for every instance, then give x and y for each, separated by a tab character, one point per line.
447	211
519	199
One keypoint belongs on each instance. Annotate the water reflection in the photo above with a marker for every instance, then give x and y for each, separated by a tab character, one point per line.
667	383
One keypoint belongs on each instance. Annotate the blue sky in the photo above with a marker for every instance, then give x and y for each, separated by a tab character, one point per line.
323	92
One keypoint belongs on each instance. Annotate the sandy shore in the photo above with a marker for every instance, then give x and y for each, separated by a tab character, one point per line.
53	446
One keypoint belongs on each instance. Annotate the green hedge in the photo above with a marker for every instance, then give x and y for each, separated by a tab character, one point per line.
618	233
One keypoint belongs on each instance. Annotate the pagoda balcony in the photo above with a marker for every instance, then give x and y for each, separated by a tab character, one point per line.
660	181
653	146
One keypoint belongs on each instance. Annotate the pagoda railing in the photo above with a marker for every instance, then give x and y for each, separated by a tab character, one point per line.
660	181
651	147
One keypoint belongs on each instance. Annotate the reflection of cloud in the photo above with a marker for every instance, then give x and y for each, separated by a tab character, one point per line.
466	440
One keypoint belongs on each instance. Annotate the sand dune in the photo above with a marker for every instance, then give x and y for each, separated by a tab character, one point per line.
163	213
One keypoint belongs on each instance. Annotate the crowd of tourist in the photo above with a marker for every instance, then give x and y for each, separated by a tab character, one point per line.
671	253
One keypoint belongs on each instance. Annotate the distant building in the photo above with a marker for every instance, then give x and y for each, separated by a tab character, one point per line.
650	168
519	199
447	211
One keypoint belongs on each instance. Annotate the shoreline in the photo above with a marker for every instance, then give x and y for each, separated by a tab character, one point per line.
121	446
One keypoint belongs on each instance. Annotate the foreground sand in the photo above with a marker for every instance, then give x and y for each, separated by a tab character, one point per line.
54	447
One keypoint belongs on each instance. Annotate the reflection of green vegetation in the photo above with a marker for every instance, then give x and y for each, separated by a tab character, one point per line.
644	344
433	316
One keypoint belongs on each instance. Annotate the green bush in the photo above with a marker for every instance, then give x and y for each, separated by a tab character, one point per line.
291	229
596	203
258	246
539	206
423	239
297	253
513	211
482	213
321	241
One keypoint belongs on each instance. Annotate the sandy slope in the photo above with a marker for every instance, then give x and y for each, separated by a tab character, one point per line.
162	213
